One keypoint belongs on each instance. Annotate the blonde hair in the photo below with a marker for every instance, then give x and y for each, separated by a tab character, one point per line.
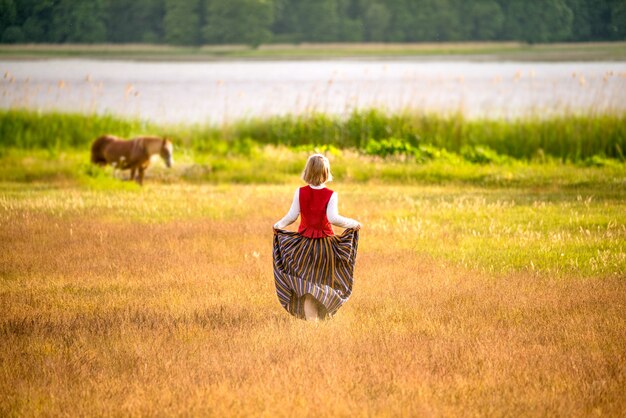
317	170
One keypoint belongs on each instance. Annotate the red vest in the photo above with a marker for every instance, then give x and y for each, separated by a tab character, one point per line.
313	220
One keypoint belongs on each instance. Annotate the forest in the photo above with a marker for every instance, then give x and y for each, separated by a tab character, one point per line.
255	22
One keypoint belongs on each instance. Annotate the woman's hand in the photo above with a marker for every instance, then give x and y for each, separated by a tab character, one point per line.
356	228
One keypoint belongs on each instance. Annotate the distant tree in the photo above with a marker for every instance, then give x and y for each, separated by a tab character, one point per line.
448	21
600	19
239	21
618	20
558	23
401	22
375	21
80	21
351	26
481	19
581	21
182	22
33	29
285	22
433	20
35	17
8	13
189	22
424	25
135	21
351	30
13	35
536	21
318	20
155	31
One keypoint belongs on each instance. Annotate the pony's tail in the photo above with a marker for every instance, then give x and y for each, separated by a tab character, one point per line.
97	149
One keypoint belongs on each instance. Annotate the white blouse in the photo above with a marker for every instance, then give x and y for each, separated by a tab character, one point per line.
332	212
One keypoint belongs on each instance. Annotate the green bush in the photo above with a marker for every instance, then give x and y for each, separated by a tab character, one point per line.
326	149
426	153
389	147
600	161
480	154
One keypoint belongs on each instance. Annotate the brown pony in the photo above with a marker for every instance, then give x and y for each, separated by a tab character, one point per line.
133	155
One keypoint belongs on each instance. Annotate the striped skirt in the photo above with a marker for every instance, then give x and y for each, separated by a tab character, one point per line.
322	267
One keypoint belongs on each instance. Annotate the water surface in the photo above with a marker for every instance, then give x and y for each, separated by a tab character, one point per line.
223	91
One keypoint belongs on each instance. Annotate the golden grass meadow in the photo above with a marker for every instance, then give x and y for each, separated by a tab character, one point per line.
468	301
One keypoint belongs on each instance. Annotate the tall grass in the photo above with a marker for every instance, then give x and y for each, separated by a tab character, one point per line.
161	302
571	137
29	130
568	137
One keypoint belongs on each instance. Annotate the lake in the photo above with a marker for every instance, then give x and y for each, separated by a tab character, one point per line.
224	91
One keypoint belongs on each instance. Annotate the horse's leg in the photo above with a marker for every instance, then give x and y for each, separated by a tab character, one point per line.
132	174
140	176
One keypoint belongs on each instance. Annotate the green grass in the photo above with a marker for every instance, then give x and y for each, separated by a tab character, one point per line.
280	165
468	50
548	231
368	146
566	137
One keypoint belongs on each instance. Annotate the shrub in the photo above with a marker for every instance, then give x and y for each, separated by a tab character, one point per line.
600	161
426	153
480	154
389	147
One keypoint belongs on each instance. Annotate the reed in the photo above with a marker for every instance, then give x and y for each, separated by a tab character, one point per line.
570	137
58	131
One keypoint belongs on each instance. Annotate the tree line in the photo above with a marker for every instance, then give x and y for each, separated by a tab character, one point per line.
254	22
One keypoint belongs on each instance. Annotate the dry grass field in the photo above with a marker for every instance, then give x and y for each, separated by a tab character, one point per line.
467	302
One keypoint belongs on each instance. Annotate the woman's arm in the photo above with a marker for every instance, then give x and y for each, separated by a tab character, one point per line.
293	213
332	213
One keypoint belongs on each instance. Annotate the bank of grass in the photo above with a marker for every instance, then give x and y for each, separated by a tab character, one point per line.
468	51
368	146
573	137
280	165
468	301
